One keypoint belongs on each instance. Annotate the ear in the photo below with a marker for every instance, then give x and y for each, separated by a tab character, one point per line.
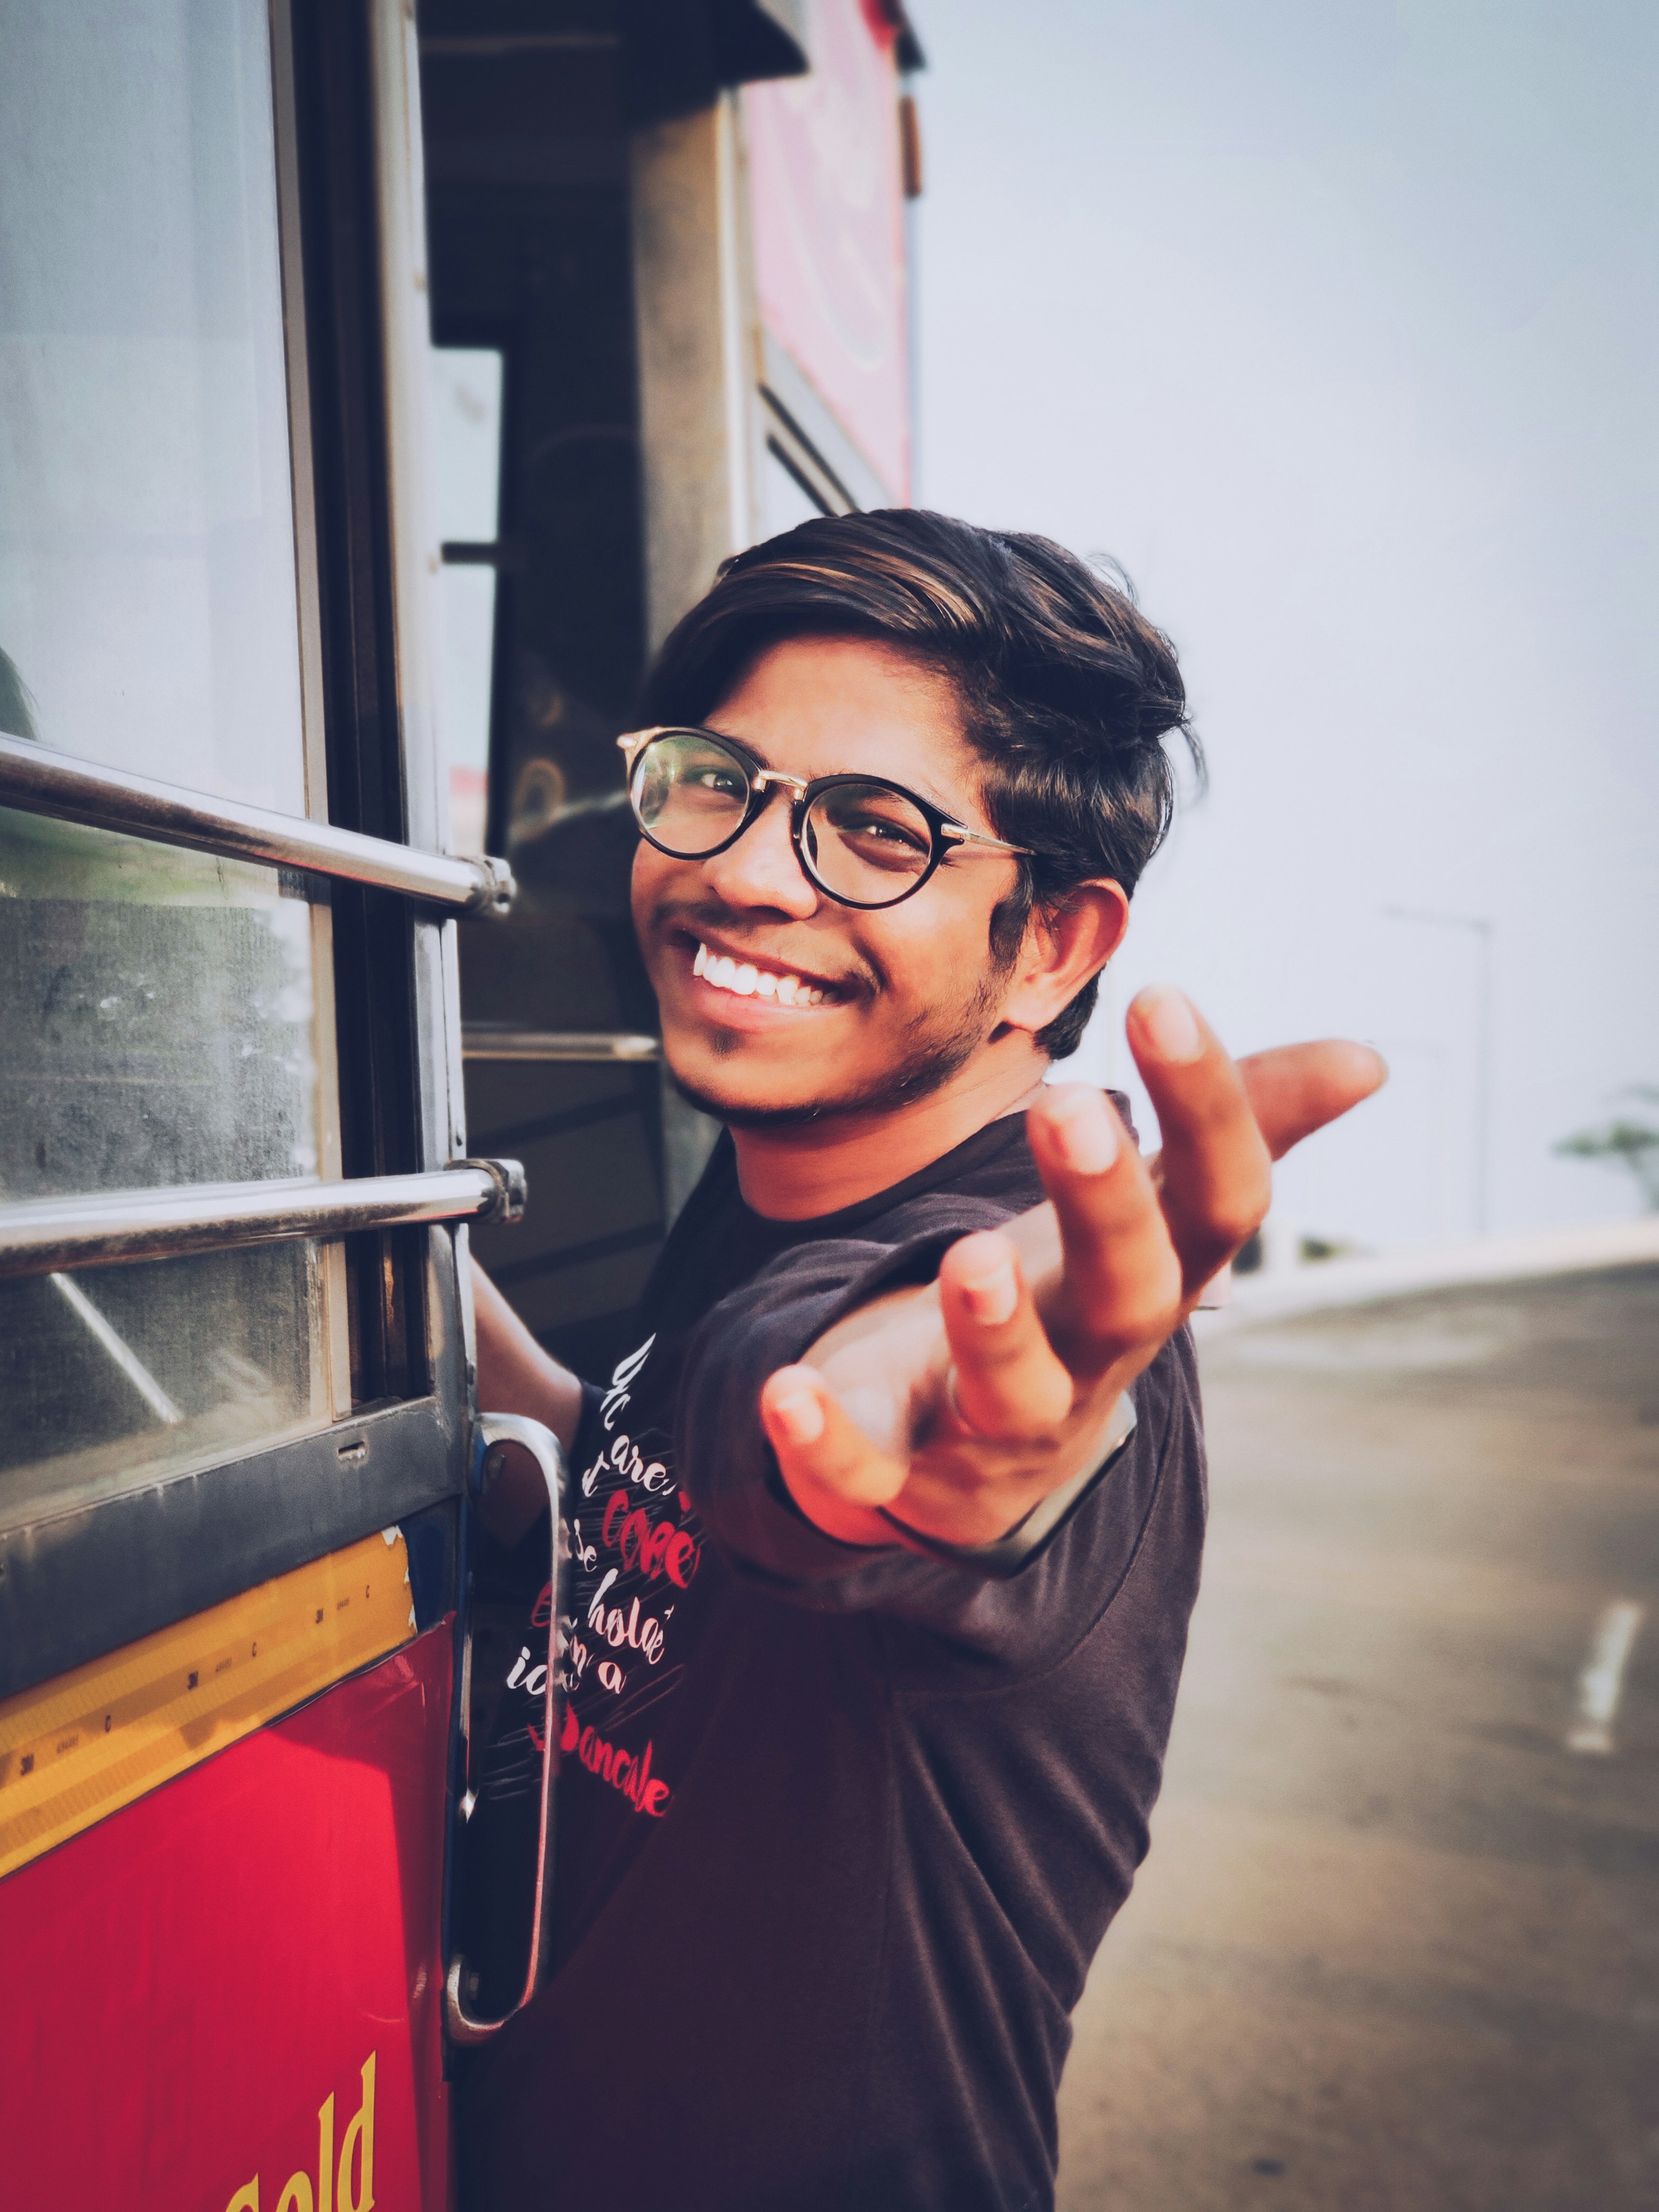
1062	950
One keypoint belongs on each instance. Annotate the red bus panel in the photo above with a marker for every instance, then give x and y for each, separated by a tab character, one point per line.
228	1994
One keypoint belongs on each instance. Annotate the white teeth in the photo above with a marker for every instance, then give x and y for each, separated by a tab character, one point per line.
746	981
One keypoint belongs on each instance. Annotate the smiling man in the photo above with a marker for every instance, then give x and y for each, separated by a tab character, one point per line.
886	1533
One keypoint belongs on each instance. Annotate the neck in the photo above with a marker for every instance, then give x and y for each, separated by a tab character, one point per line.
802	1169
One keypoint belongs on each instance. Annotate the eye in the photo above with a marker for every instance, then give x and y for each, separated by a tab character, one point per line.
876	829
879	829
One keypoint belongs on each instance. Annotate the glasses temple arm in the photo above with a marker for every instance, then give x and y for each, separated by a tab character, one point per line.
958	834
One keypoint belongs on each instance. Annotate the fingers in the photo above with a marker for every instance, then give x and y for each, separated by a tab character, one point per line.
1216	1169
1298	1088
1009	1382
1120	1283
834	1472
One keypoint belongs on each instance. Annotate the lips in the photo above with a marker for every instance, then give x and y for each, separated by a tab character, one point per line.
747	979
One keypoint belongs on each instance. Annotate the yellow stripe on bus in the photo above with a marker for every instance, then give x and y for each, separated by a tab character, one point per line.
81	1746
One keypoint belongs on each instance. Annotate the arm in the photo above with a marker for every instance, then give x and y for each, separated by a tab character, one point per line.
954	1409
515	1375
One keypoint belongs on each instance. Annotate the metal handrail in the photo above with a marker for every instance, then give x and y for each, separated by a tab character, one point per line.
58	784
461	1983
44	1235
487	1041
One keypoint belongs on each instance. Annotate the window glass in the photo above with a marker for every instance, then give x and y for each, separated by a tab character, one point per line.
159	1024
158	1014
147	577
114	1378
784	499
158	1007
466	417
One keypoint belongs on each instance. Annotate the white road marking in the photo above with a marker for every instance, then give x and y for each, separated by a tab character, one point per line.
1604	1676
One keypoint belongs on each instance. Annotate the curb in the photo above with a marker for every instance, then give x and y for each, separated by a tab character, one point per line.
1319	1285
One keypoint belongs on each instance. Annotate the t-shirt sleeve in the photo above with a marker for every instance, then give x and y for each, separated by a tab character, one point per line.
727	1467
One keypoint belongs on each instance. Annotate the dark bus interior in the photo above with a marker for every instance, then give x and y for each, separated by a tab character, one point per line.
526	112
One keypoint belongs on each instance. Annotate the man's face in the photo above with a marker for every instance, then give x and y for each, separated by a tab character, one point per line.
909	993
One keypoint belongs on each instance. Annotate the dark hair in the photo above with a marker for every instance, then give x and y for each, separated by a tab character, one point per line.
1066	690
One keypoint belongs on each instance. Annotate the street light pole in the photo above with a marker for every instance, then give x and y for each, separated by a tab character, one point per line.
1485	1045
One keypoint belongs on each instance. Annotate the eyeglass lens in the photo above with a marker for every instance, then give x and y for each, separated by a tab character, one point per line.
861	841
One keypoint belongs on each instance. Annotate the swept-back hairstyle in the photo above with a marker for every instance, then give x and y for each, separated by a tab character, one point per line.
1066	690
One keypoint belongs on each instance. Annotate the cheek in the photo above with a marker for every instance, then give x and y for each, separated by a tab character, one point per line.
649	883
937	956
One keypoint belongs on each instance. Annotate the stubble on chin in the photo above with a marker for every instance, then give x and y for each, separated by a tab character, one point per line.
934	1052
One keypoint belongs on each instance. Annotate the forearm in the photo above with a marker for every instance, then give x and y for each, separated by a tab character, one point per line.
515	1375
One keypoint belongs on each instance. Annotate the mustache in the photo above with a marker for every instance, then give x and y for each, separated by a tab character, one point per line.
703	918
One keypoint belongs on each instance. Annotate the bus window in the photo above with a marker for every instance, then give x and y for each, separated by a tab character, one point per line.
147	550
167	1015
466	421
160	1011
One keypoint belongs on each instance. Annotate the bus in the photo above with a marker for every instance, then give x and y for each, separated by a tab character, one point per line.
379	384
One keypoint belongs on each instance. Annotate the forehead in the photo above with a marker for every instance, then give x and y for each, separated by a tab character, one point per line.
822	706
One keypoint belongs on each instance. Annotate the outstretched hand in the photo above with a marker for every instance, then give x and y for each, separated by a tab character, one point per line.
954	1409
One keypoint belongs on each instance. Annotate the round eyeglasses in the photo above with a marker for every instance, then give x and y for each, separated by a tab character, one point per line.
862	841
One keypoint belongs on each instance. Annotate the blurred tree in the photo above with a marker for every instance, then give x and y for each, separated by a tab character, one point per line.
16	706
1624	1143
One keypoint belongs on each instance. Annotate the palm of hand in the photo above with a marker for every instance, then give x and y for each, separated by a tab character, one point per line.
951	1410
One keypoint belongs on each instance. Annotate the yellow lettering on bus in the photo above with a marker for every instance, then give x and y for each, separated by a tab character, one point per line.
361	2133
347	2185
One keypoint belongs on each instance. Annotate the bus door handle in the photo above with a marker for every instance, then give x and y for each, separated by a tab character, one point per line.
493	1430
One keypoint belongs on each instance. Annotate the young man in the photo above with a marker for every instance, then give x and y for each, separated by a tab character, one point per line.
884	1536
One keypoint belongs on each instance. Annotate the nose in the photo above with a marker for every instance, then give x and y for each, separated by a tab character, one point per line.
761	870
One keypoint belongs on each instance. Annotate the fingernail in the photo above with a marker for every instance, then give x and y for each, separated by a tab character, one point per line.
1166	1016
1086	1131
993	1299
799	1416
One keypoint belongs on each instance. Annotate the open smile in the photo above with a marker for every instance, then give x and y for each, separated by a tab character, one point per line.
753	990
744	978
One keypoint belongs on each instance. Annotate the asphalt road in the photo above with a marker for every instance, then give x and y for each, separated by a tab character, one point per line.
1397	1945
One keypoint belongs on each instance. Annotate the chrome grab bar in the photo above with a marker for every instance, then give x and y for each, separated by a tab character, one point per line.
486	1041
100	1229
459	1982
42	782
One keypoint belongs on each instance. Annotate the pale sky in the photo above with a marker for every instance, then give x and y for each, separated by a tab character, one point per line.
1338	328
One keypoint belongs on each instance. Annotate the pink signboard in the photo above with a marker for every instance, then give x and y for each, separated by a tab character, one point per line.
827	193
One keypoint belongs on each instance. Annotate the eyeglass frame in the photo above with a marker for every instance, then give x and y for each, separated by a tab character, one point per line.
947	834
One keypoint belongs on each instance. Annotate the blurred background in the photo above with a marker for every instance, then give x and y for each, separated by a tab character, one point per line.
1337	328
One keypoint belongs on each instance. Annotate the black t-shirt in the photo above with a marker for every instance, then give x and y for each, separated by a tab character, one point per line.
839	1831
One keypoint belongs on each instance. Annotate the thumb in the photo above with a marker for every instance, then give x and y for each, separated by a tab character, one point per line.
834	1472
1297	1088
